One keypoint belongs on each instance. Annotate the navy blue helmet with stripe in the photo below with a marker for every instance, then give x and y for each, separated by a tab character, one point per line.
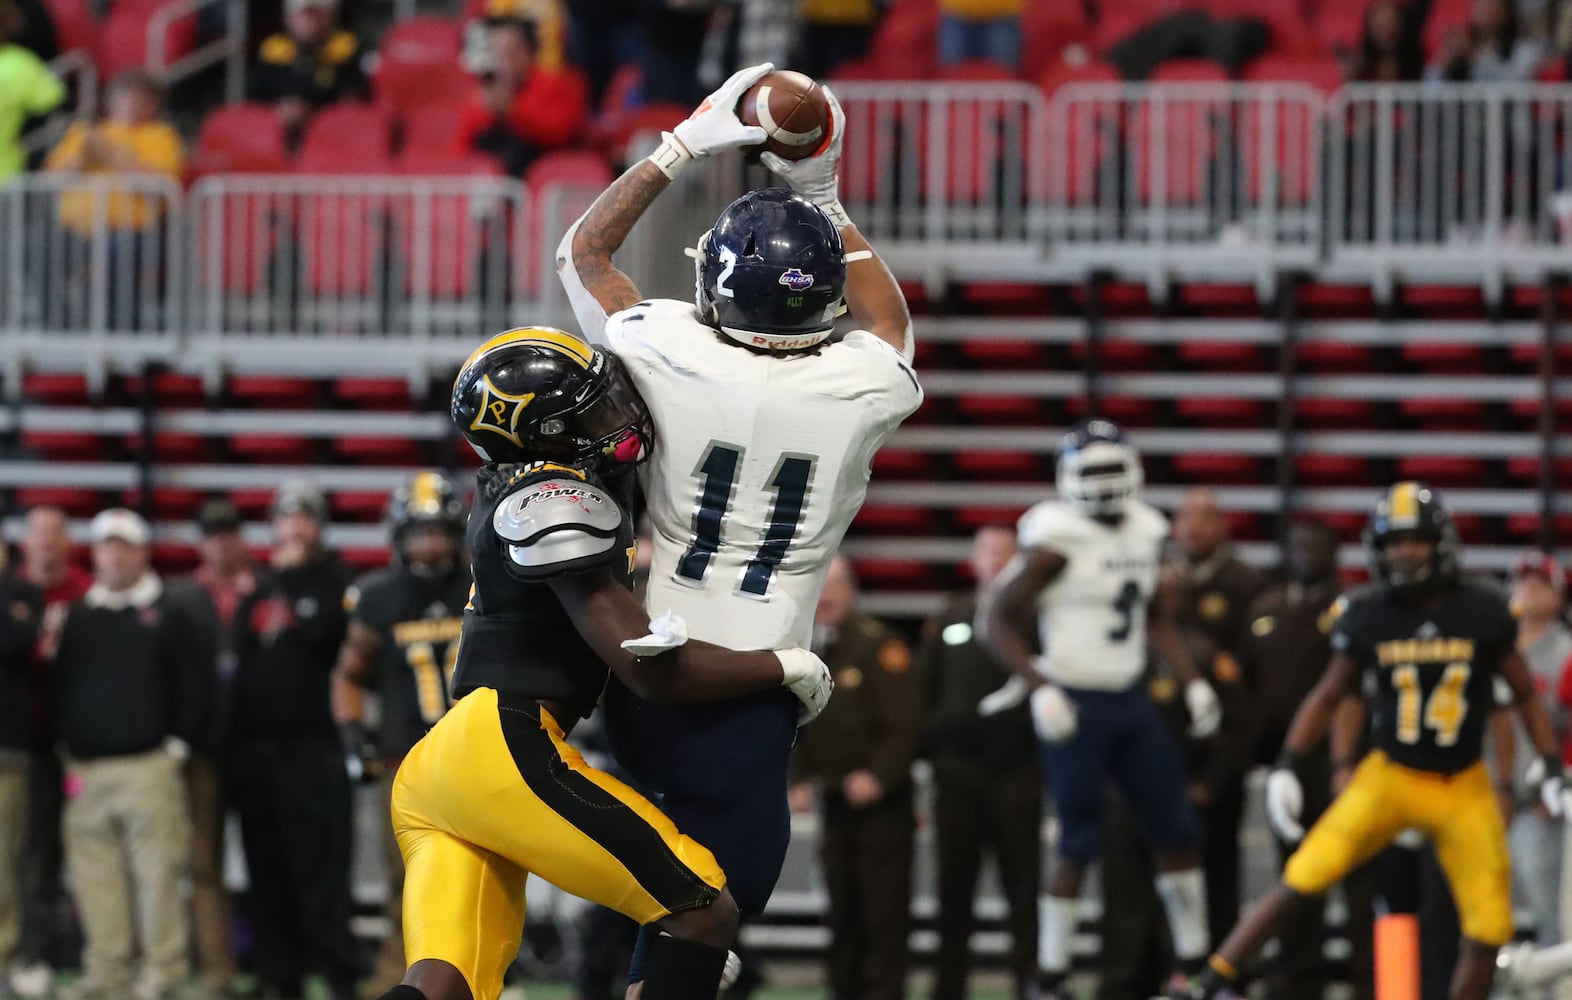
771	271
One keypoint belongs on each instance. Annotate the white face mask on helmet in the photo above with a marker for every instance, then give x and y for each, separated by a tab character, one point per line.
1100	478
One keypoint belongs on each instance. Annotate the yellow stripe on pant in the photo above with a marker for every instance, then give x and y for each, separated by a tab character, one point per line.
1457	813
494	794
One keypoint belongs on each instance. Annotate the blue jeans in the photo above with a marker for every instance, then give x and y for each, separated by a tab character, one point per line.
998	40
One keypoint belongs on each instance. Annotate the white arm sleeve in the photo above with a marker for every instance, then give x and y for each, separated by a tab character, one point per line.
586	307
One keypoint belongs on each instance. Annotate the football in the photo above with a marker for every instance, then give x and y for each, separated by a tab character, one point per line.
792	108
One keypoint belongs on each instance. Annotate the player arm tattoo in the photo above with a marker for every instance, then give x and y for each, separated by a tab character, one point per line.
357	658
602	230
1530	709
1004	615
607	614
1316	711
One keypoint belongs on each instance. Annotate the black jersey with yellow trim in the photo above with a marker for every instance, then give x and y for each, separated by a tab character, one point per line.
417	620
529	525
1429	669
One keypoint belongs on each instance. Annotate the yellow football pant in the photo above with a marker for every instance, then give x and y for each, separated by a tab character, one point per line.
1457	813
493	794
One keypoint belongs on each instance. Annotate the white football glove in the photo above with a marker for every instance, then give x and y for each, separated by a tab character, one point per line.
806	676
666	633
1053	714
817	177
1546	774
1206	712
713	127
1285	800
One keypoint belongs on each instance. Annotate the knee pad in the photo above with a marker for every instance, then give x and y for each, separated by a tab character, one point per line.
680	969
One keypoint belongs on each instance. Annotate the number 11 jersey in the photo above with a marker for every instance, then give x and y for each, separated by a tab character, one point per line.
760	464
1092	617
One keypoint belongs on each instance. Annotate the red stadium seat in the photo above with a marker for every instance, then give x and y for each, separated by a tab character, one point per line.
170	390
358	505
1324	73
1446	16
171	446
1340	26
240	139
1329	414
1061	73
272	391
59	388
884	519
419	63
273	449
1229	411
972	518
1442	470
76	502
1334	356
432	126
169	502
1120	20
1220	468
1005	410
378	450
123	41
908	35
1332	470
1227	355
64	445
373	393
1189	71
1048	28
977	71
75	27
902	463
346	139
452	246
1010	466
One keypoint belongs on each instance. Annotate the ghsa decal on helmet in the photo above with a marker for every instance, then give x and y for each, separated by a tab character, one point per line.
538	394
1099	472
771	272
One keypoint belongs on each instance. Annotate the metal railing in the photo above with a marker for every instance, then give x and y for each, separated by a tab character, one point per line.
177	22
952	182
1186	167
359	256
90	253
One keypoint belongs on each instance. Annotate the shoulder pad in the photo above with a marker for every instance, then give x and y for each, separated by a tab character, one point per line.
279	49
1050	525
557	524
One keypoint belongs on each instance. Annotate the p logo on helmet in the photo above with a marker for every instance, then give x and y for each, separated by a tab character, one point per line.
499	412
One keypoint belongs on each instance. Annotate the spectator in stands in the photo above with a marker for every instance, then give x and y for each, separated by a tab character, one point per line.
857	757
987	785
980	29
1494	48
28	88
521	108
227	576
135	144
312	63
21	615
47	565
604	37
835	32
1218	590
1389	50
287	777
674	41
1539	598
132	680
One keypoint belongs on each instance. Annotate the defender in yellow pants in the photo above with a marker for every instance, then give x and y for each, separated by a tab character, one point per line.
1429	647
493	793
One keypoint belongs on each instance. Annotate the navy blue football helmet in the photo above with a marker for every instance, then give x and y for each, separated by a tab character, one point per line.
771	271
1099	472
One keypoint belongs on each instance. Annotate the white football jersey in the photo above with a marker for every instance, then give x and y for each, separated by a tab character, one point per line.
1092	617
760	464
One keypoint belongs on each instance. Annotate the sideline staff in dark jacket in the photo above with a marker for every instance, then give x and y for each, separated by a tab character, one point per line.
133	682
987	784
287	775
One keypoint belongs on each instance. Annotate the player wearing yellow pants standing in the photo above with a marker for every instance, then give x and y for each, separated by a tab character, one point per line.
493	794
1430	648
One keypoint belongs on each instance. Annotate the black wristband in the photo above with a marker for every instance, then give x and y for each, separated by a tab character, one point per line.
1553	765
1290	760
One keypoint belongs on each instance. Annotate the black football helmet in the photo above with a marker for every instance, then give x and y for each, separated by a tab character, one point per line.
538	394
1410	507
771	271
427	499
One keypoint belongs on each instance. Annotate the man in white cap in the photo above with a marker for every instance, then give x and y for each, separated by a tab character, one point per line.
132	682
